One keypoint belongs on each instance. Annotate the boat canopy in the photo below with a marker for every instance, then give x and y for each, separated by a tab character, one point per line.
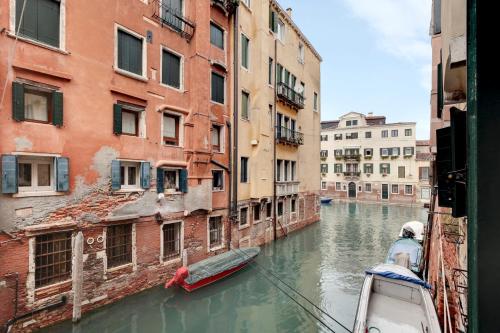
395	272
409	246
417	227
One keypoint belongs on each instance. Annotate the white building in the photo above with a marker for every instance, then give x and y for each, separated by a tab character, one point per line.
364	158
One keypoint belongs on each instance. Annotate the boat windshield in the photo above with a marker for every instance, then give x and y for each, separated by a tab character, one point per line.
411	248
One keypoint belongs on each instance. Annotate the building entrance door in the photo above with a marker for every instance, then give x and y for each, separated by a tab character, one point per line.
352	190
385	191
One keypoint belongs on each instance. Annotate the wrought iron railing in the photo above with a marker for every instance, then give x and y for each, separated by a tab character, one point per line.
173	18
356	157
352	173
286	135
289	96
287	188
229	6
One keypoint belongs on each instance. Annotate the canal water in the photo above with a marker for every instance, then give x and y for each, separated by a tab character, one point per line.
325	262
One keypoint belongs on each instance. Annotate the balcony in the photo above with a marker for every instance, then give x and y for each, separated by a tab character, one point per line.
290	97
287	188
228	6
173	18
352	157
352	174
288	136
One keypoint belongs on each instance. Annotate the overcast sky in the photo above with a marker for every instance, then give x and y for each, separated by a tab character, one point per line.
376	56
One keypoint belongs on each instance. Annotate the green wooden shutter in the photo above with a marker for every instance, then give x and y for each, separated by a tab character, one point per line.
48	22
244	51
129	52
160	180
17	101
115	175
183	180
29	23
62	174
57	108
145	175
171	69
388	168
275	21
9	174
440	94
279	73
380	168
117	119
444	166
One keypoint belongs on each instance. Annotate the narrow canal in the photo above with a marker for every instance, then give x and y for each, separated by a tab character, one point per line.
325	262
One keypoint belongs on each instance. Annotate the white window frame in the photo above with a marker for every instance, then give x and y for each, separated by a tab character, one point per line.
281	29
392	188
386	154
133	262
248	54
224	36
371	188
223	181
409	151
406	131
181	69
34	161
338	186
126	165
293	211
316	101
411	189
386	132
394	131
260	213
246	225
223	241
225	87
247	3
181	128
142	77
181	243
302	53
323	185
426	190
249	103
221	138
62	27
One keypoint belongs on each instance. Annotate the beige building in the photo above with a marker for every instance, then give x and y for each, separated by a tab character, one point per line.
278	124
365	158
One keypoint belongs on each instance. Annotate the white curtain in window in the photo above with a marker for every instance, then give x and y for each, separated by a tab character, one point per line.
128	123
215	136
169	126
35	107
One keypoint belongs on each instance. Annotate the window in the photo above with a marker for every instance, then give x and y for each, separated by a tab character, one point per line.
293	170
269	209
171	240
368	152
119	245
256	213
425	193
52	258
35	174
281	30
368	168
368	135
217	180
395	189
244	216
368	187
323	185
337	137
171	180
293	206
354	123
338	168
315	101
247	3
348	123
40	21
385	168
280	208
171	69
216	36
338	153
279	166
270	71
408	189
130	122
395	151
423	173
129	175
245	51
324	138
130	49
215	231
301	53
385	133
286	173
245	101
217	88
323	153
408	132
408	151
401	172
353	135
324	168
36	103
128	119
394	133
244	170
171	10
337	186
384	152
216	138
171	129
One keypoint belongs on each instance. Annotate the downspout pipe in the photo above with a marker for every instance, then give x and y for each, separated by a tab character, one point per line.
229	171
235	117
274	114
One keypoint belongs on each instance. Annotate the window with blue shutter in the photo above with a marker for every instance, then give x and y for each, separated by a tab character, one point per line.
62	174
115	175
183	180
160	180
129	52
40	20
145	175
9	174
171	69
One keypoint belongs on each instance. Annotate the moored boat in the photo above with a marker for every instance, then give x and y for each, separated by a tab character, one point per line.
325	200
409	247
413	229
393	299
213	269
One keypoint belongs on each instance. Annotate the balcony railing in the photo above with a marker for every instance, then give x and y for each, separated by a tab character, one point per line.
288	136
356	157
287	188
173	18
352	173
228	6
290	97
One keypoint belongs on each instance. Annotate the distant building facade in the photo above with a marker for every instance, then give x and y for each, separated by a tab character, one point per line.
364	158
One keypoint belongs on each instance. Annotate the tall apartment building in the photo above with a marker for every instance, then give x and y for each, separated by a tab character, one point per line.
365	158
278	122
115	156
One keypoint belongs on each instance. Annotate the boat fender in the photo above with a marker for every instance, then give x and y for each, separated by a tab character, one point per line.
181	274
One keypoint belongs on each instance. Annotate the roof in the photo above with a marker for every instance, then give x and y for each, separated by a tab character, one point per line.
424	156
375	120
423	143
330	124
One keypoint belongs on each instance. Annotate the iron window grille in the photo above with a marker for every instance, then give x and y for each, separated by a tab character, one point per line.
215	230
119	245
171	16
171	241
52	258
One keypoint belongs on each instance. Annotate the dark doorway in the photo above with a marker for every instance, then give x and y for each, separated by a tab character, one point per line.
352	190
385	191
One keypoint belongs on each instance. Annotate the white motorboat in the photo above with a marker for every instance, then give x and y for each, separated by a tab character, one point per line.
413	229
394	299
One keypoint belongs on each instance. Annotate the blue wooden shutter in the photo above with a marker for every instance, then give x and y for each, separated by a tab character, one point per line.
9	174
160	180
57	108
115	175
117	119
183	180
145	175
17	101
62	174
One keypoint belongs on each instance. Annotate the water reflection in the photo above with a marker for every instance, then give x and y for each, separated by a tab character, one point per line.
325	262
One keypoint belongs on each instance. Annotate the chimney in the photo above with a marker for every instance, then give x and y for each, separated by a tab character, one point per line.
370	114
289	11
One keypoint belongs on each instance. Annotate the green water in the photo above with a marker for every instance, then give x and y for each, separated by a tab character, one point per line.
325	262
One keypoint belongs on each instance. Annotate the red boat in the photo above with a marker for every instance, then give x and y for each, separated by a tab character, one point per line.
212	269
